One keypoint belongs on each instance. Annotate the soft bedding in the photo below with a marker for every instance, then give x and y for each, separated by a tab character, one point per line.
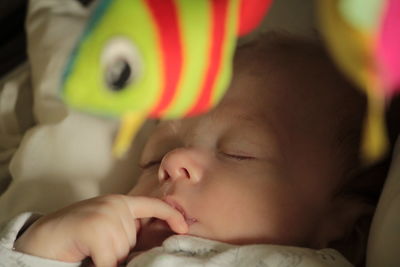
182	250
384	238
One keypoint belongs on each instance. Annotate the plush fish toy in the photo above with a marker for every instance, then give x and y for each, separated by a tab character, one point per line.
156	58
364	38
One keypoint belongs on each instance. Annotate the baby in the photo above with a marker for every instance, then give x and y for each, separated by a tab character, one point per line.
269	165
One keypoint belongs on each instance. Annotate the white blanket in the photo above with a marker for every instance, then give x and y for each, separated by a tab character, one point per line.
188	251
180	250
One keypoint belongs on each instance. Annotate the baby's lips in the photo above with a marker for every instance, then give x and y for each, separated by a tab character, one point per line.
189	220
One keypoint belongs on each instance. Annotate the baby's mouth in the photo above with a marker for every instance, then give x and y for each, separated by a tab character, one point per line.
189	220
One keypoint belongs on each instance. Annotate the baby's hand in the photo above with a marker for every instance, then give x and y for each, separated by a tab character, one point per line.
103	228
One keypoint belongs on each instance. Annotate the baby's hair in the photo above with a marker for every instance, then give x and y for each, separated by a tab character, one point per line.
359	183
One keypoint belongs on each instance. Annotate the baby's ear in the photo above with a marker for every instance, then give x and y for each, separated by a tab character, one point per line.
340	220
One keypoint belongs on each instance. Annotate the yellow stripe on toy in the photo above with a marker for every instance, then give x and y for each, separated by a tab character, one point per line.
375	142
130	124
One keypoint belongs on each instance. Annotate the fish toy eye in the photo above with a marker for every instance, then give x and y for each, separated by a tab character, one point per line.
122	65
118	75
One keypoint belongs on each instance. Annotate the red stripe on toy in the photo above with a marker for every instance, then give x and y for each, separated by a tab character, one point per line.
166	18
217	40
251	14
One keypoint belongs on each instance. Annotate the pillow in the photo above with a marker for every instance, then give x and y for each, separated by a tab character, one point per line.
384	238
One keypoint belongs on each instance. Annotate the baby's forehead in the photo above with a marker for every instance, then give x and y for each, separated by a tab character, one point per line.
274	53
233	115
288	70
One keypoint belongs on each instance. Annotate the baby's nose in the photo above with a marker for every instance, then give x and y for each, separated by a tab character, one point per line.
182	164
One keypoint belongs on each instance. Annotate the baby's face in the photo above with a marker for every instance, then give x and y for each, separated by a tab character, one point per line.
240	174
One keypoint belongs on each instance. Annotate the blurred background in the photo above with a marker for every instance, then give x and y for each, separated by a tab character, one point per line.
296	16
12	34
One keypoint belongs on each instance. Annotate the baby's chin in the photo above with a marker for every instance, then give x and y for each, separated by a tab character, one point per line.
152	234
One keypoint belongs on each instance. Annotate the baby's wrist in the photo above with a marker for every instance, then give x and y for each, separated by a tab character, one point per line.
35	241
45	239
25	242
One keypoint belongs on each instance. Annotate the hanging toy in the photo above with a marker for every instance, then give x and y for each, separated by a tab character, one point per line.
364	38
156	58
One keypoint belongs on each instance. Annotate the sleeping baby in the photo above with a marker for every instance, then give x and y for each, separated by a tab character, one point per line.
269	166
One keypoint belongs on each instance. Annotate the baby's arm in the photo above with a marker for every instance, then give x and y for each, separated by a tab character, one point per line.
103	228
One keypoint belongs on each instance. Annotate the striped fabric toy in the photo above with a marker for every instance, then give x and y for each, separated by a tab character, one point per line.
364	38
156	58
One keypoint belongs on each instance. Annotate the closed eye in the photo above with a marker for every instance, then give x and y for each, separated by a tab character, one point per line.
237	157
149	164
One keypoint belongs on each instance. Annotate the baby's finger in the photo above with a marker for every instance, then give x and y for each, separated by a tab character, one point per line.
145	207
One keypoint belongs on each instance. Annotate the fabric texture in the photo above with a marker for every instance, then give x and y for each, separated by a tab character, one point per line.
15	118
11	258
181	250
384	238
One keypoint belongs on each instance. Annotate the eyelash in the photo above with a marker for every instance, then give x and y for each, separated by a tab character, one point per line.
237	157
153	163
149	164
